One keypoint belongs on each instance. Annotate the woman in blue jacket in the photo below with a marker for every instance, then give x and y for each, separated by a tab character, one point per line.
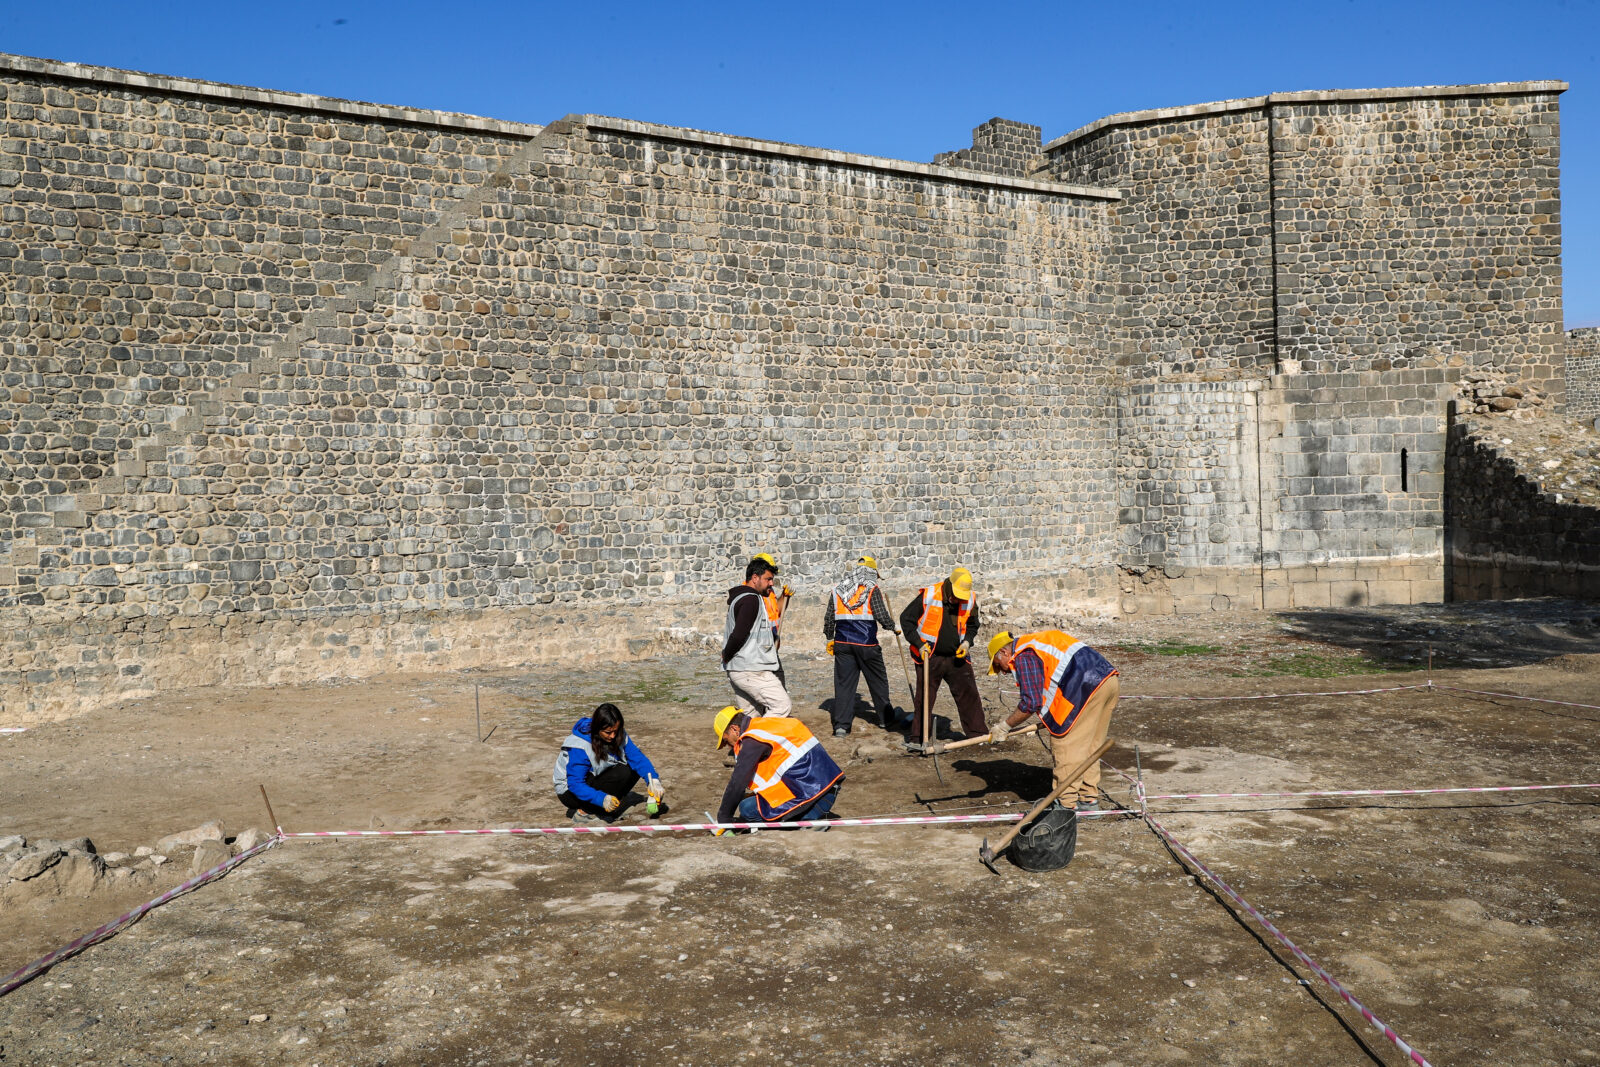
599	764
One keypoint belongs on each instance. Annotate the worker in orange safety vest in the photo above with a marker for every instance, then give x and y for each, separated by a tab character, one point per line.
942	622
1071	687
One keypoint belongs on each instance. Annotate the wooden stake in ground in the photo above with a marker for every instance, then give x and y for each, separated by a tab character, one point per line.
987	854
271	818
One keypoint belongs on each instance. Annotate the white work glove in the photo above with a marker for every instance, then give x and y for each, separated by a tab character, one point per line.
961	650
656	789
612	804
999	732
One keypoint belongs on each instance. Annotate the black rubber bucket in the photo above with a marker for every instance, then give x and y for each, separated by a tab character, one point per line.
1049	842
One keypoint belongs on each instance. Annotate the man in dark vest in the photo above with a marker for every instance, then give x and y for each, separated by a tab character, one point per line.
855	609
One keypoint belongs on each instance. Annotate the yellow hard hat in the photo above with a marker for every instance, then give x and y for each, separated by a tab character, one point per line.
869	561
997	643
767	557
961	583
720	723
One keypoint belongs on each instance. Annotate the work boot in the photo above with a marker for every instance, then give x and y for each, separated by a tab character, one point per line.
1089	805
579	815
841	731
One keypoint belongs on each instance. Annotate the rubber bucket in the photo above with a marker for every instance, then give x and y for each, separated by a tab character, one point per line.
1049	842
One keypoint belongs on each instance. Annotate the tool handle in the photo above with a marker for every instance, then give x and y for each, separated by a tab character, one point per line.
1071	779
953	745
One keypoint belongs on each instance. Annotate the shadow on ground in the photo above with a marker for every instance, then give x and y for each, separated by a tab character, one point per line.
1480	633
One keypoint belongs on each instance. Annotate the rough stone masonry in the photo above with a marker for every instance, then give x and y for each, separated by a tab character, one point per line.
296	387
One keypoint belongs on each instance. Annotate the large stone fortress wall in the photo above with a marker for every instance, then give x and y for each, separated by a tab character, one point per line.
292	386
574	395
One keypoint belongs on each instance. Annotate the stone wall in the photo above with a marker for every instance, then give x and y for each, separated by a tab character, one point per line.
1509	537
1361	253
294	387
570	399
1583	372
1191	256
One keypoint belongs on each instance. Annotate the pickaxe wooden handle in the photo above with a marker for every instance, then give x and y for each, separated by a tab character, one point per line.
987	854
951	746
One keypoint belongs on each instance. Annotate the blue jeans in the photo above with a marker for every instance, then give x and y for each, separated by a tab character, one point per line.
749	812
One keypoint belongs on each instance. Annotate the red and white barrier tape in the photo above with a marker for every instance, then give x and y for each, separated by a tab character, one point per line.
1515	696
44	963
13	729
1372	792
1316	969
663	828
1285	696
1429	684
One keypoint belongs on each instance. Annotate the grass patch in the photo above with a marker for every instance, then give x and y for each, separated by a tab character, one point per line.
1176	648
658	688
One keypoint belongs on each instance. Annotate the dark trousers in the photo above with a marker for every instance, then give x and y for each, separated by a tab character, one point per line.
957	674
614	781
850	662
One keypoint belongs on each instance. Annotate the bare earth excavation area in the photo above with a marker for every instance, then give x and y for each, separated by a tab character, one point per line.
1466	922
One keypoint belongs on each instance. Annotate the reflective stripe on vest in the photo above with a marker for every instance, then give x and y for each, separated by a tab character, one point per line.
853	618
771	601
581	743
1072	669
933	615
796	771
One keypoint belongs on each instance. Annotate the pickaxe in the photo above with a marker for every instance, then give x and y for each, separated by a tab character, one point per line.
911	689
987	854
950	746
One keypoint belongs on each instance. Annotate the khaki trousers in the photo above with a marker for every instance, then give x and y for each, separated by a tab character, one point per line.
760	693
1088	730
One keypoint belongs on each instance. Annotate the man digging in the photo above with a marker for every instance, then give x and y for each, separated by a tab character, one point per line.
1071	687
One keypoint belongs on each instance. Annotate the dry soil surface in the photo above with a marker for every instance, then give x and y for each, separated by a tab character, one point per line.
1468	923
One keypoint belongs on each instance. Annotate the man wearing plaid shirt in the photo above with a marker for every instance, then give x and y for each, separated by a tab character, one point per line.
1071	687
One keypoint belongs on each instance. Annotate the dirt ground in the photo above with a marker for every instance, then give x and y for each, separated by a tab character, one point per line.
1468	923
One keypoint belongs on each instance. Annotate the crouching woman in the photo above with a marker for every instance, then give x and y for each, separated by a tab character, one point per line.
599	764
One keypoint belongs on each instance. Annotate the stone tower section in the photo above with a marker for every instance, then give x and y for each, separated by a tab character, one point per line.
1343	259
999	146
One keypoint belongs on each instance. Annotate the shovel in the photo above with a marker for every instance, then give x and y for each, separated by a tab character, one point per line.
987	854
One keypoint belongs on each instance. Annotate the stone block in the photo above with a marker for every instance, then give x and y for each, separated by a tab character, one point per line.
1314	594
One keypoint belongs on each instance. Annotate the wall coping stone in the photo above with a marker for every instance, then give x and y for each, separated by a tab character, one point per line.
243	94
1319	96
843	159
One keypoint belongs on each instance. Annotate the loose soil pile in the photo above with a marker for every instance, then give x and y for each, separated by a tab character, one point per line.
1468	924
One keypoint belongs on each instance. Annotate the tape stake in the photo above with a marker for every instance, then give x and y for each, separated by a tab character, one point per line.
1266	924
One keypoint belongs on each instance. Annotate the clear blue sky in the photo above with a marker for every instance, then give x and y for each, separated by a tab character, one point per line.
895	79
